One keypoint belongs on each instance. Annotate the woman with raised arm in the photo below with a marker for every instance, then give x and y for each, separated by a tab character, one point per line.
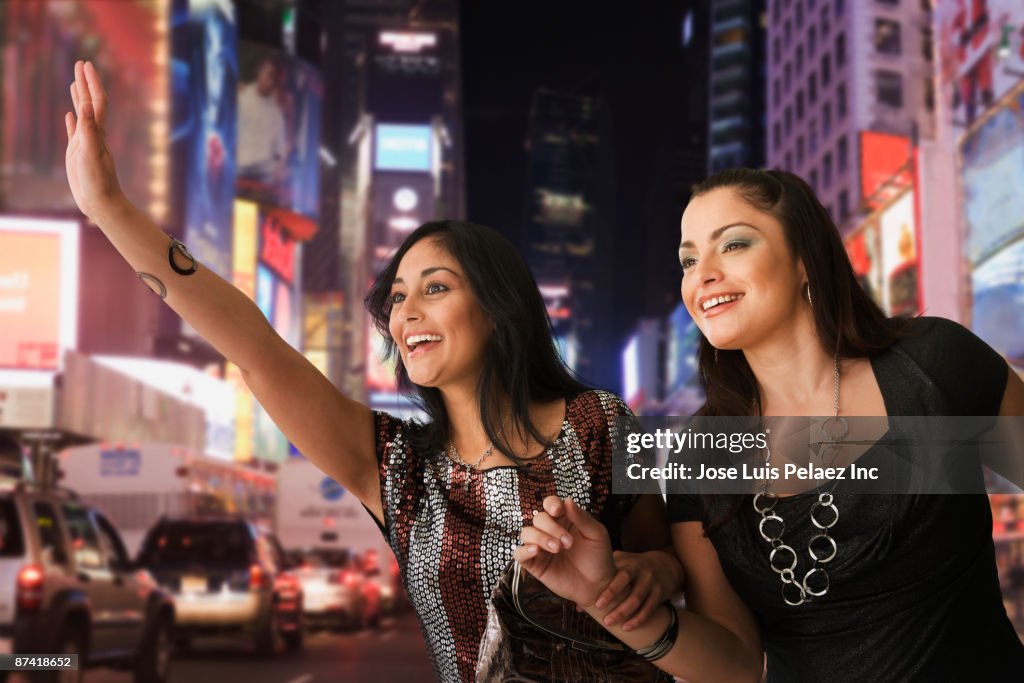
509	425
841	587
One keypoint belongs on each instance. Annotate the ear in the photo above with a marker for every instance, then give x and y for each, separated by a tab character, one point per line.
801	271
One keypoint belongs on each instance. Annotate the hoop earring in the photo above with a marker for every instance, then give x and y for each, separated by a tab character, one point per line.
809	300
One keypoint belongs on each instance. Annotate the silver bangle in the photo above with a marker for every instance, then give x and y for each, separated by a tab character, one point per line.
154	284
662	645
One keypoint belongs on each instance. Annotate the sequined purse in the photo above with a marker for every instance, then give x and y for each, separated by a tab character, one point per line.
532	635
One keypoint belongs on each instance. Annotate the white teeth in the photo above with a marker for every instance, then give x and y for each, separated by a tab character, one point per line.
711	303
420	338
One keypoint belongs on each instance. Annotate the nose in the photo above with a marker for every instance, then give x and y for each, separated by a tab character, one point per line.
706	271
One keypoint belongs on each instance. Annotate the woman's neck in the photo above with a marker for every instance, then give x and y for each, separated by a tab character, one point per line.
794	374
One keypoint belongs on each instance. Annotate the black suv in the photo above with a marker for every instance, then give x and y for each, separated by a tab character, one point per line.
67	586
226	574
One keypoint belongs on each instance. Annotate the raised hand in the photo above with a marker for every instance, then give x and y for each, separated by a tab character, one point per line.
90	167
568	551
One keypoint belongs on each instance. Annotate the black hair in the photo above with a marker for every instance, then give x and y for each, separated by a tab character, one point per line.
521	359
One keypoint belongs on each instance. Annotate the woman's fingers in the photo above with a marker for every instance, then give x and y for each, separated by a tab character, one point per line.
617	585
553	506
546	523
643	614
85	105
538	537
589	527
526	554
69	123
74	98
96	93
629	607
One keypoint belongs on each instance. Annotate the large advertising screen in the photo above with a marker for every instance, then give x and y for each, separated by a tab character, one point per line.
204	83
885	166
683	343
405	76
279	107
40	43
399	147
864	250
981	54
38	292
898	236
992	158
998	302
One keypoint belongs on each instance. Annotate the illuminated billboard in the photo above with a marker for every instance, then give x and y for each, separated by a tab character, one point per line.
279	108
40	43
981	54
898	236
683	343
992	159
204	114
404	80
864	251
400	147
38	292
998	302
380	376
884	165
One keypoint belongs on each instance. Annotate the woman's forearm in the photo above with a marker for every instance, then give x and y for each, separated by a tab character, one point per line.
218	311
703	652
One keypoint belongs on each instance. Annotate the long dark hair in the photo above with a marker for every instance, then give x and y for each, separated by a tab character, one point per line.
846	318
521	358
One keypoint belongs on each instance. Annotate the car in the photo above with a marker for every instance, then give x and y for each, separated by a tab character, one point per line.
68	586
338	594
226	575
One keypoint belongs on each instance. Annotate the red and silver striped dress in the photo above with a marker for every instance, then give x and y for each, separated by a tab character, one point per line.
453	543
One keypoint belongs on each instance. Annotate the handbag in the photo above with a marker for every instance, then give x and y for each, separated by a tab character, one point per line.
534	636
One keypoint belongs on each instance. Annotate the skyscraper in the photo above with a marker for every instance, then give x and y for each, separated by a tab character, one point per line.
737	84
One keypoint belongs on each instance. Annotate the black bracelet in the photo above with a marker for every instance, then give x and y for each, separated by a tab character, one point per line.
178	246
662	645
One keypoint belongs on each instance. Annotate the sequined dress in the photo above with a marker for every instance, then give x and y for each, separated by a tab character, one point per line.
452	543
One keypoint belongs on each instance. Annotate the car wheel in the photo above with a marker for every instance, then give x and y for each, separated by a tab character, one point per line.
293	640
154	662
265	639
70	642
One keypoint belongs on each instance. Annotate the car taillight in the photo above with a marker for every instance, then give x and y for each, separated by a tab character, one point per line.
30	587
256	577
351	578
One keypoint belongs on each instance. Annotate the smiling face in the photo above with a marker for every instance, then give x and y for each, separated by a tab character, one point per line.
436	321
741	282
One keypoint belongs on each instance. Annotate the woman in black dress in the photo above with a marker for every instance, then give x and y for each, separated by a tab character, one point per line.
911	591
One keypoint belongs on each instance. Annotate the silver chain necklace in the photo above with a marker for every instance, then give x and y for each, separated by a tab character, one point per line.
453	453
824	514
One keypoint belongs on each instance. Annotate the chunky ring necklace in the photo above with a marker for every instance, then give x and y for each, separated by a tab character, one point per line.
453	453
824	514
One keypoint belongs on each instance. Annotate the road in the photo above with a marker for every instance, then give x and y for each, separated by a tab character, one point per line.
394	653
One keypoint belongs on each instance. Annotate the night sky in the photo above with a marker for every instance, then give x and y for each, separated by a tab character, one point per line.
636	60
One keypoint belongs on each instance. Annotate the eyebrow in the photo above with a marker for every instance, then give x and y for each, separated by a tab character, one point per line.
717	233
428	271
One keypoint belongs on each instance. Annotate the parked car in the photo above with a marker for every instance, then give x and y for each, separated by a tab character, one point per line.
337	593
67	586
226	575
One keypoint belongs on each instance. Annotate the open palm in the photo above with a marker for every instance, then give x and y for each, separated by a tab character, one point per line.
88	162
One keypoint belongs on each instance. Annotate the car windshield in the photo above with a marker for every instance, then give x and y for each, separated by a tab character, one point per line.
11	542
206	543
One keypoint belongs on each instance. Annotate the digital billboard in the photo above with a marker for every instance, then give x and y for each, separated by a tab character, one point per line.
40	42
884	161
405	76
998	302
204	114
400	147
380	376
279	107
864	251
981	54
683	344
38	292
898	237
992	159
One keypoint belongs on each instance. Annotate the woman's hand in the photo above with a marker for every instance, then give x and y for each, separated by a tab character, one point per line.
568	551
90	166
643	581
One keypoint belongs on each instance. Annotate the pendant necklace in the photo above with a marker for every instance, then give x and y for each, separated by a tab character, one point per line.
453	454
